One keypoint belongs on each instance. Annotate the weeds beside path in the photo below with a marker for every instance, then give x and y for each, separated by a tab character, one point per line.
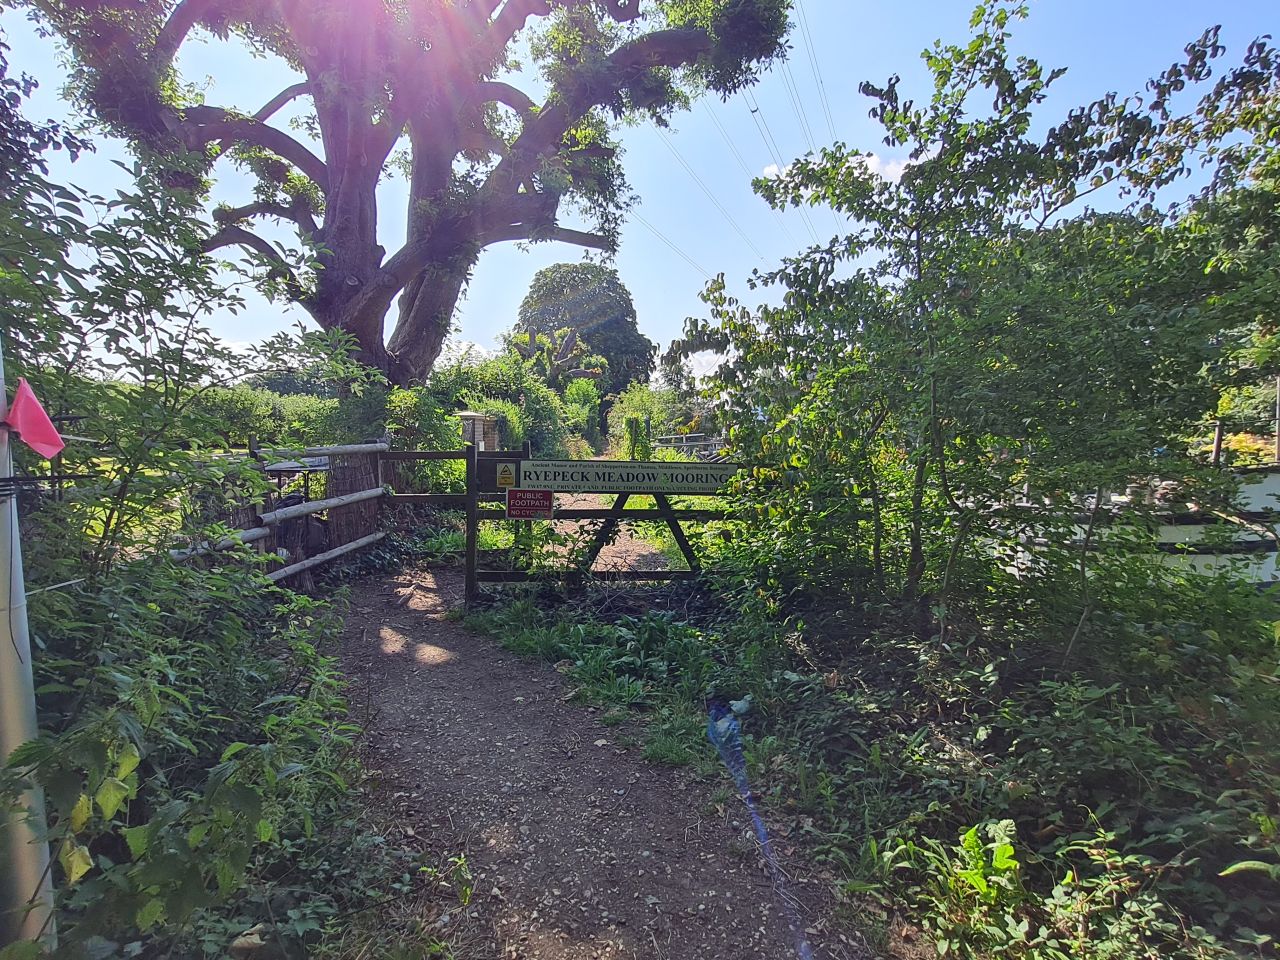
575	847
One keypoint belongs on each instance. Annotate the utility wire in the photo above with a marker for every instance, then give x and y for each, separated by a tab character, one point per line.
751	174
670	243
762	126
737	154
711	196
797	106
817	73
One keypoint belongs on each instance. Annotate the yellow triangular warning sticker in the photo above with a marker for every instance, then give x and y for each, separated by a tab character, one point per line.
506	475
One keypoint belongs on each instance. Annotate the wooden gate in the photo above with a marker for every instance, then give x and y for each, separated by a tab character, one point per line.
491	473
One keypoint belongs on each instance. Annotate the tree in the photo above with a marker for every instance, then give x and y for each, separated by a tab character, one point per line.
591	300
485	162
558	358
980	331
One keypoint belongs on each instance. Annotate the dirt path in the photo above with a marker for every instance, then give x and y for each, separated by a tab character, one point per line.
578	848
626	552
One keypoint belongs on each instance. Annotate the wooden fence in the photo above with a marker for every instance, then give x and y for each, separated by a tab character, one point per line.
292	531
360	476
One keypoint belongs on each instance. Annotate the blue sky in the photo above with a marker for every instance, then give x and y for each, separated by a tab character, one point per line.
697	214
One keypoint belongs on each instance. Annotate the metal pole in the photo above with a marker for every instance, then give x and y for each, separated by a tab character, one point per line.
1277	448
26	890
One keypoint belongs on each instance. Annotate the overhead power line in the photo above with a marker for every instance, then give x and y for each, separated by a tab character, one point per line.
797	106
762	126
742	163
671	243
710	196
733	147
817	73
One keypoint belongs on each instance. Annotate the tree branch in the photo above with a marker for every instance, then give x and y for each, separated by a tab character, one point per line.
204	125
180	23
480	139
297	212
544	133
495	91
280	99
511	20
622	11
579	237
233	236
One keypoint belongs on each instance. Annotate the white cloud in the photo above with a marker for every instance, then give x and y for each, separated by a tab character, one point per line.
890	170
705	362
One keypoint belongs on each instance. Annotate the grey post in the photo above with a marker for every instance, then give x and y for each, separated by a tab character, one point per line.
26	891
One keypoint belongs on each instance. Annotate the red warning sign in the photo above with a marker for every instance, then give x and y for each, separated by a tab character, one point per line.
530	504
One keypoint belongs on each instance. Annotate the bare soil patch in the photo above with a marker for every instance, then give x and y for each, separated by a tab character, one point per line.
578	848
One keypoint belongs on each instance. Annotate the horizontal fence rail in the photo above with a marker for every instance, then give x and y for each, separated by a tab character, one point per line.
316	506
345	466
236	539
325	557
341	450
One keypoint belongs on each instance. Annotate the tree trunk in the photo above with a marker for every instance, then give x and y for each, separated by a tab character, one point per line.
915	559
426	317
428	300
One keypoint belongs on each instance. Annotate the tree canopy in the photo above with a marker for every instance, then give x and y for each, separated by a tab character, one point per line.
980	330
592	301
484	160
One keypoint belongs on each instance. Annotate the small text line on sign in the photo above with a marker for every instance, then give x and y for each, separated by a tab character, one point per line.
530	504
624	476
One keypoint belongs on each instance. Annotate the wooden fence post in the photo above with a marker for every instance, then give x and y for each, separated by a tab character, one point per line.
473	521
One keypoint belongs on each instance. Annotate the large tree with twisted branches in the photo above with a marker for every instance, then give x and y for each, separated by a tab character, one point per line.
425	86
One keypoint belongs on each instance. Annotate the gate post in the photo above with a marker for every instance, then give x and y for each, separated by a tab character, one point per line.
473	522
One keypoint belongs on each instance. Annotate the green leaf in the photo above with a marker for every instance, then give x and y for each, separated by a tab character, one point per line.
1002	858
128	762
1251	866
196	834
265	830
111	796
75	860
138	839
151	913
81	813
232	750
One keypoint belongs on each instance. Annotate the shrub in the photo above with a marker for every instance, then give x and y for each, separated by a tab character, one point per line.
507	378
657	409
512	427
582	409
579	448
238	413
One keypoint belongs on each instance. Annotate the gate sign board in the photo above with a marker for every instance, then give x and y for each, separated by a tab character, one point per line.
624	476
506	475
530	504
